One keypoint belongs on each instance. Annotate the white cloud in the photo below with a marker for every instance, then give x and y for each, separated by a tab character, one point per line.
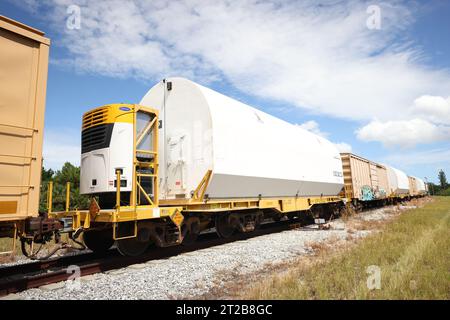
343	147
438	156
434	108
406	133
313	127
423	163
321	58
60	147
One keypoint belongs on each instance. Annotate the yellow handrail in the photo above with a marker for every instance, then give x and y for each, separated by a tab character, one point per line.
67	196
118	190
50	196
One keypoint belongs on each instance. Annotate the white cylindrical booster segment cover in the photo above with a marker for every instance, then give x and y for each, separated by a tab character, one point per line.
398	180
250	152
420	185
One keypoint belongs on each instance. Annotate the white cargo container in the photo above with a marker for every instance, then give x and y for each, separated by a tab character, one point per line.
398	181
250	153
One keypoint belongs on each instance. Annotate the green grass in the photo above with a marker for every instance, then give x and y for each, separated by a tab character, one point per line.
412	252
6	245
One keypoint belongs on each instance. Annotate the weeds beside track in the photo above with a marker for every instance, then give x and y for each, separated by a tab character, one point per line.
412	253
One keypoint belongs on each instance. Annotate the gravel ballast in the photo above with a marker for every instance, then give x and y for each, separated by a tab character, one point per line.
193	274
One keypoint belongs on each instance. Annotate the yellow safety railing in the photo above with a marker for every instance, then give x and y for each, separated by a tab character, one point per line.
136	187
50	197
150	128
116	224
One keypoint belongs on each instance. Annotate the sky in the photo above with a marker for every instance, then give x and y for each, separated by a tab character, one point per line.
373	77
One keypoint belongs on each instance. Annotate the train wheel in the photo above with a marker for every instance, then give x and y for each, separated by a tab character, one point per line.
189	238
98	241
191	230
277	218
224	228
132	247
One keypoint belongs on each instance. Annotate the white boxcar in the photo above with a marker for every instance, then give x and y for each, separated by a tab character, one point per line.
249	152
398	181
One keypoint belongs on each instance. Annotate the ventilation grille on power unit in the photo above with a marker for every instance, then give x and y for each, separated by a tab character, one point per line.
97	137
95	117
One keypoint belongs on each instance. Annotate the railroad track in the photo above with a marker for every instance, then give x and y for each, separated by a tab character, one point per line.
17	278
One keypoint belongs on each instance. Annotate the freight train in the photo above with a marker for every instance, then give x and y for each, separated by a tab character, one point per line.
184	160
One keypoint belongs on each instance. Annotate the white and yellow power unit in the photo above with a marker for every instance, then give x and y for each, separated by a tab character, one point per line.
114	137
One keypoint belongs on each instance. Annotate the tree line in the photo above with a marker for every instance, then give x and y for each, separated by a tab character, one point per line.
68	173
442	188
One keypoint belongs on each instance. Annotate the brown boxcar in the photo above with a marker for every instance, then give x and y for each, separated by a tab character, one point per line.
23	76
364	180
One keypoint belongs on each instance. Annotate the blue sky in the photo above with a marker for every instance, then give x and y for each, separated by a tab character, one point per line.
384	92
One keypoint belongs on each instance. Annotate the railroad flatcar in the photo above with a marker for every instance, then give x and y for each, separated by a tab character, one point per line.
225	164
